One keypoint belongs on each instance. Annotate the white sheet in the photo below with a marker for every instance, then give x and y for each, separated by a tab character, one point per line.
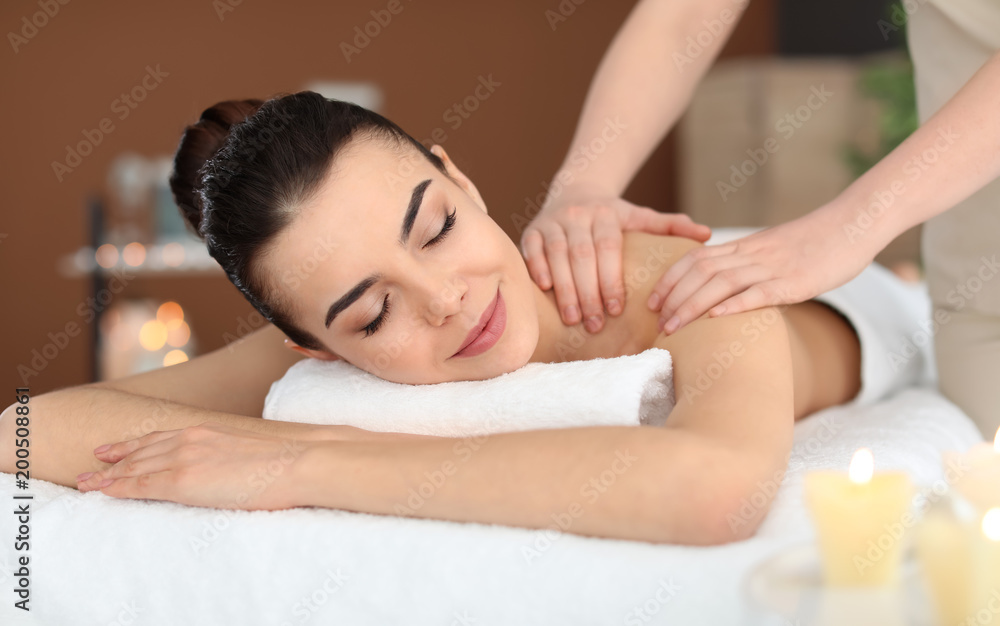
101	560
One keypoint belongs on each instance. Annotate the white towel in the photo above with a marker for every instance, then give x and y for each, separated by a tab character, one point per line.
621	391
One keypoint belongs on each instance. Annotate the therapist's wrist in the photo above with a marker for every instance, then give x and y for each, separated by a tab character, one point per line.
863	221
578	192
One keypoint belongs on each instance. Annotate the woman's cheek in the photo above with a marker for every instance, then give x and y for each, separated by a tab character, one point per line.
406	351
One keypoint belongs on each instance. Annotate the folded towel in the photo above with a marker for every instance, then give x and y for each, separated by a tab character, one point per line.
622	391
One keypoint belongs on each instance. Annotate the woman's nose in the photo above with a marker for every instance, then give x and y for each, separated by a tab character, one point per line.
442	297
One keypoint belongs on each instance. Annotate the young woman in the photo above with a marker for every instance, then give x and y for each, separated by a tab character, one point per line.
355	241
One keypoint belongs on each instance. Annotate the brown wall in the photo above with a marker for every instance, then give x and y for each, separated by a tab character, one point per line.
63	80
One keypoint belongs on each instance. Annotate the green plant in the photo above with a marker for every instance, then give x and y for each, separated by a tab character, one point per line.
890	83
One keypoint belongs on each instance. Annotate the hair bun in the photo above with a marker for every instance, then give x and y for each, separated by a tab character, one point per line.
199	143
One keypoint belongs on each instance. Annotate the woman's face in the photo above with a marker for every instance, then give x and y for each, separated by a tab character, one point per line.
407	263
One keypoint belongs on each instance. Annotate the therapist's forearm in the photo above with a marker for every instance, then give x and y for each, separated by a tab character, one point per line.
641	483
645	81
948	158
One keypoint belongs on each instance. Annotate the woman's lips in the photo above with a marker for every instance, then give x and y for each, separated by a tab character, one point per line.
489	330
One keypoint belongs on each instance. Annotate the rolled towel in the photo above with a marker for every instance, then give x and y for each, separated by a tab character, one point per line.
622	391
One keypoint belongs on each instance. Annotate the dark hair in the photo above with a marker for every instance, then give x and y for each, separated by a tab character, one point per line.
243	169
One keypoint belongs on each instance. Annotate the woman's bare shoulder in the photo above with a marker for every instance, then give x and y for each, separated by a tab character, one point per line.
646	257
234	378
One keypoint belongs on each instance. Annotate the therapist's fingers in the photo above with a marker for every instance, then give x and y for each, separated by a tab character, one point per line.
533	249
766	293
725	271
583	262
649	220
608	246
665	287
717	288
557	253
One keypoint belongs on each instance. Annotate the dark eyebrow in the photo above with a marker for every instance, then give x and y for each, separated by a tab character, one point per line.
416	199
411	211
350	297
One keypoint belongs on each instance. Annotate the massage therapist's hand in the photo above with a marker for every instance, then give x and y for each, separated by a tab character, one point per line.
574	244
783	264
211	465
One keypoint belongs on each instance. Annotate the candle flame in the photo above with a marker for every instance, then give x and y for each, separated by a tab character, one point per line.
991	524
862	466
996	442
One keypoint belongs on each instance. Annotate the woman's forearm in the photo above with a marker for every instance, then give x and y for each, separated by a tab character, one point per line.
66	425
640	483
644	82
948	158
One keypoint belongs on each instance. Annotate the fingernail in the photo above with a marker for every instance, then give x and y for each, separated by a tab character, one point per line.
543	278
614	307
672	324
571	313
105	483
100	449
593	323
84	476
654	301
717	311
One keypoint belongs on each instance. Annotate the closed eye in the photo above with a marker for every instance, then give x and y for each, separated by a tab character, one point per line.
372	328
449	222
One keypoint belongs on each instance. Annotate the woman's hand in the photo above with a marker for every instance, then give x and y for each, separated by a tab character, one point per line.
575	245
784	264
211	465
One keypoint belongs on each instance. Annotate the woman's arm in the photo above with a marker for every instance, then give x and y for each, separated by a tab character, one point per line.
687	482
725	444
232	379
226	386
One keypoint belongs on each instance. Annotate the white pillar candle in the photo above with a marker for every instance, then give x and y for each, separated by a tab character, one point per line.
860	519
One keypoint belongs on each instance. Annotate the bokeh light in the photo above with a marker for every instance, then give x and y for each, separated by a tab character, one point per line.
153	335
173	254
106	255
178	335
134	254
174	357
170	314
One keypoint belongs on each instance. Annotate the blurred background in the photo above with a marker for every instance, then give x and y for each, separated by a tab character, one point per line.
101	278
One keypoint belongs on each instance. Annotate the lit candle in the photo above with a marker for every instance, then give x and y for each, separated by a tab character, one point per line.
945	548
985	607
979	478
860	521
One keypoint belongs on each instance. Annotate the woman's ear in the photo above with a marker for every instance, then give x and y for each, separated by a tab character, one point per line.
460	179
322	355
